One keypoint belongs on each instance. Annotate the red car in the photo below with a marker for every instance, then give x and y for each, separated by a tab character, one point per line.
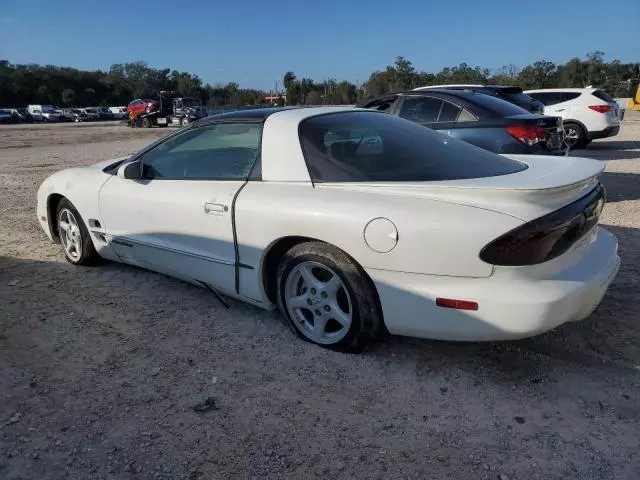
140	106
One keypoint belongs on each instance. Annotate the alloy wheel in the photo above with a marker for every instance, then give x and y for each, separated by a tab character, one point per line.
70	235
571	136
318	302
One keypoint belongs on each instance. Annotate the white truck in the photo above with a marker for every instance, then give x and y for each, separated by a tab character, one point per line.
43	112
119	112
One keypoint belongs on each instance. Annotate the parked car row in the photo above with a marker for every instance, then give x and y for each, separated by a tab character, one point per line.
47	113
507	119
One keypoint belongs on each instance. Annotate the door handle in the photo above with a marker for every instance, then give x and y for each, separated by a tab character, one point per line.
210	207
559	110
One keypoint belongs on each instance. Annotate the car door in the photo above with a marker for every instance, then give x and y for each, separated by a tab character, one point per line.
178	217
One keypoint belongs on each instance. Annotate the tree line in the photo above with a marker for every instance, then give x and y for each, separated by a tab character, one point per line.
47	84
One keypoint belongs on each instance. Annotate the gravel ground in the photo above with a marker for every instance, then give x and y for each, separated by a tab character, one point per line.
102	369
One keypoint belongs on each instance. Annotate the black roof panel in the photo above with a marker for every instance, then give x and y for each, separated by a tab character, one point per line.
248	115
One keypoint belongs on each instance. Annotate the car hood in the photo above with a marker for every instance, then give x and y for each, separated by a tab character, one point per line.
548	184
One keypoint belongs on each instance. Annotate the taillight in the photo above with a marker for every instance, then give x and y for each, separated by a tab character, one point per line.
527	134
547	237
601	108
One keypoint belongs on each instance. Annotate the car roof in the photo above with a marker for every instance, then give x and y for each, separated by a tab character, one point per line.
295	114
551	90
250	114
491	88
418	93
461	85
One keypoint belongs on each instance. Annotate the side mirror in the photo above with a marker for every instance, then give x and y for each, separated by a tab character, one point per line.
130	171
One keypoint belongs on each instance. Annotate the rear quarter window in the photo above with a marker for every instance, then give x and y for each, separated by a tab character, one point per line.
374	147
568	96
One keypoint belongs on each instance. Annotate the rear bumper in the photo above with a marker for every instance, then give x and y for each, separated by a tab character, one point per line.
515	147
512	304
607	132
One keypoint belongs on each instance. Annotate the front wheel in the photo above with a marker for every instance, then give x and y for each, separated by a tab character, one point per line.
574	136
74	236
327	298
146	122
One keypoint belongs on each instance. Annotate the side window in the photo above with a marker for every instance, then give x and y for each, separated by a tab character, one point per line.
566	96
449	112
466	116
225	151
548	98
421	109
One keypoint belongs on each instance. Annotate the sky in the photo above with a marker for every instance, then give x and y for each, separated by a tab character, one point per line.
255	42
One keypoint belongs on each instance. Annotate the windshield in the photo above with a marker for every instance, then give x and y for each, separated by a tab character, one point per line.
376	147
47	109
190	102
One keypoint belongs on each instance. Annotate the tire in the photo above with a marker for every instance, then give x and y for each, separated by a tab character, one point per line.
575	136
184	122
146	123
77	245
312	312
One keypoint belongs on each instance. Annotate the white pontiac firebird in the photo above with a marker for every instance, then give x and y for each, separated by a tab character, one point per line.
352	222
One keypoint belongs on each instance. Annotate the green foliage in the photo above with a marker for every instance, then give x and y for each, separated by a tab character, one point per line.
48	84
68	97
24	84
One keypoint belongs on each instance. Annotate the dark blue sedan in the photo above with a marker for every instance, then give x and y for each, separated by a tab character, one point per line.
482	120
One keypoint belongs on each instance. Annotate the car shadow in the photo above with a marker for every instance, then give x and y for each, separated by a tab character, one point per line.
609	336
621	186
610	150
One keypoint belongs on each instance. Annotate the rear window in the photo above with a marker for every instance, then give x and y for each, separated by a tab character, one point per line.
374	147
496	105
519	98
505	90
604	96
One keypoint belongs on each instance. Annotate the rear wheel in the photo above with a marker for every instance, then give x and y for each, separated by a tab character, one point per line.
574	135
327	299
185	121
146	122
74	236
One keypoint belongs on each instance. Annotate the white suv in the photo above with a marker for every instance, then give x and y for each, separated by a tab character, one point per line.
587	113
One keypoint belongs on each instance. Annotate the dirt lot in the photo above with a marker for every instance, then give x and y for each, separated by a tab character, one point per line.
101	368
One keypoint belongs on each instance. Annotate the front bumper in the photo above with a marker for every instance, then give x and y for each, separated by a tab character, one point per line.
515	302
